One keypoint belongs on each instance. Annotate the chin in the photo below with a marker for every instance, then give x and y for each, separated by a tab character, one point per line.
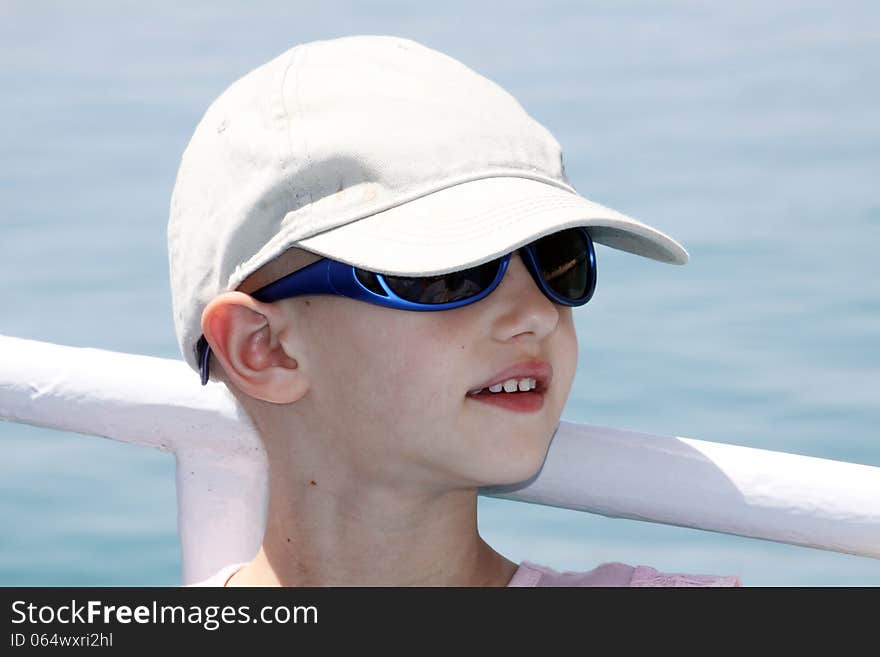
516	462
515	473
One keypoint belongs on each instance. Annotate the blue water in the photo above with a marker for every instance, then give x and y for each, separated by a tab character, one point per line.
748	132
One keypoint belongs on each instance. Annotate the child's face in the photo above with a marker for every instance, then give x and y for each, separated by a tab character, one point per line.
389	387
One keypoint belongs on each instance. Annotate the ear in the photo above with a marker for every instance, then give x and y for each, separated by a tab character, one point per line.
245	337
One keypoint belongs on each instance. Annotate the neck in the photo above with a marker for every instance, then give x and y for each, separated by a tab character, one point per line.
373	537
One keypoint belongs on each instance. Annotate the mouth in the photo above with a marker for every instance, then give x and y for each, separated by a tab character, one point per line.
523	386
521	402
520	387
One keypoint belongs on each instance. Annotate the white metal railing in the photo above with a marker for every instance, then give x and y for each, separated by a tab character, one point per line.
221	464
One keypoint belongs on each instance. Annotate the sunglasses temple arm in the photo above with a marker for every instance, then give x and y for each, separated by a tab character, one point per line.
313	279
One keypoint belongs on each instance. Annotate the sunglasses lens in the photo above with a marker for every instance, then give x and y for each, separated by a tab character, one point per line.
563	259
444	288
564	262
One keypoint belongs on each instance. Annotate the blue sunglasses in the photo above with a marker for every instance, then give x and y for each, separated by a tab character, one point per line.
562	264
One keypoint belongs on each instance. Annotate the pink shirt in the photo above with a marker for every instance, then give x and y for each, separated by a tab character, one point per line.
530	574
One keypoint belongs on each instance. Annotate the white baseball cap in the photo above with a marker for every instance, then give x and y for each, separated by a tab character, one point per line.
375	151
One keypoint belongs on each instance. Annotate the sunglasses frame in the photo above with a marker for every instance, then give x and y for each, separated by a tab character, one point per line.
327	276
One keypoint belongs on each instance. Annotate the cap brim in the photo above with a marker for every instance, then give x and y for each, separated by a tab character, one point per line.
473	222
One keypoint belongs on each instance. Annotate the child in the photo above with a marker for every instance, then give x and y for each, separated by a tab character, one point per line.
378	252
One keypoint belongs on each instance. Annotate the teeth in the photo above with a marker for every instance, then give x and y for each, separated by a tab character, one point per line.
513	385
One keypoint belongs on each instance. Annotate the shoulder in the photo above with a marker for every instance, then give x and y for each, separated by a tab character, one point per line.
221	576
614	574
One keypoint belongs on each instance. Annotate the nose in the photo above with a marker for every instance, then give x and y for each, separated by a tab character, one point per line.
524	308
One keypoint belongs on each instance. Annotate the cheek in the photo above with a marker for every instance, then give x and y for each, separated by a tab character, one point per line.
390	361
568	333
567	347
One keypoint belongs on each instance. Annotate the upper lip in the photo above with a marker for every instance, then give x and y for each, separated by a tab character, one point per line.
540	370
